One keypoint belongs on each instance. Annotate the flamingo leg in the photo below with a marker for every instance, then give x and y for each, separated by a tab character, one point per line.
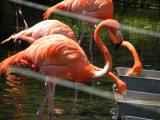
51	98
90	45
84	29
49	94
75	110
8	39
30	40
39	112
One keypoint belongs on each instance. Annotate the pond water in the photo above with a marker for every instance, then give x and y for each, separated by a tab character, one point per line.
21	96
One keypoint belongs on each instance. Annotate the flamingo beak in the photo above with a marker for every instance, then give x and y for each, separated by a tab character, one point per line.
119	38
117	45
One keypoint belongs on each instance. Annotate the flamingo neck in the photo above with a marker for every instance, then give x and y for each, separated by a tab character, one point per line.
132	50
105	52
137	68
109	74
113	77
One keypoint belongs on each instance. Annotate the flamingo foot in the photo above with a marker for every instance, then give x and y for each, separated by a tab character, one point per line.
40	114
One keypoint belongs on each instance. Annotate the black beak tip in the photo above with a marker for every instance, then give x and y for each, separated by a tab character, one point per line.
117	45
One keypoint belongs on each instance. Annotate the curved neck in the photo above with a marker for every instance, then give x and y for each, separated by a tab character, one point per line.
113	77
107	55
109	74
132	50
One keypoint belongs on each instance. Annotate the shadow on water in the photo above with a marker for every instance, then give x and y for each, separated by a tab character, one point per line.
21	96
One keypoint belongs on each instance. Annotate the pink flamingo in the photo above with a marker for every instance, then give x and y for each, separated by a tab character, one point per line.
41	29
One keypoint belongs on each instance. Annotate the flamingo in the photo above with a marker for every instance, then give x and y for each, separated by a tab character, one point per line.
41	29
137	67
102	9
57	56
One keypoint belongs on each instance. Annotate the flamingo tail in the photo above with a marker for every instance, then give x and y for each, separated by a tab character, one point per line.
4	65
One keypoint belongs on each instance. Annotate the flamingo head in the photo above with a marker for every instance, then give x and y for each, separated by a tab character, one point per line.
119	39
136	70
115	34
121	87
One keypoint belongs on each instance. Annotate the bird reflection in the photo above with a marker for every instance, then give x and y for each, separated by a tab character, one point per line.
14	93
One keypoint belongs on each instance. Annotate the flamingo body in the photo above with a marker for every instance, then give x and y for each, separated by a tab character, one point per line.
44	28
102	9
64	55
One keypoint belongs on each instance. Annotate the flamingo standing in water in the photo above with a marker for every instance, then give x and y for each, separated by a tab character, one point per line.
41	29
101	9
58	56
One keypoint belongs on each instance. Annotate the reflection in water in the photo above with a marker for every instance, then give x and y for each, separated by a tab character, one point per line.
14	94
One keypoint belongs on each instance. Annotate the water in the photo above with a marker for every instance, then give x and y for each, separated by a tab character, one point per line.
21	96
